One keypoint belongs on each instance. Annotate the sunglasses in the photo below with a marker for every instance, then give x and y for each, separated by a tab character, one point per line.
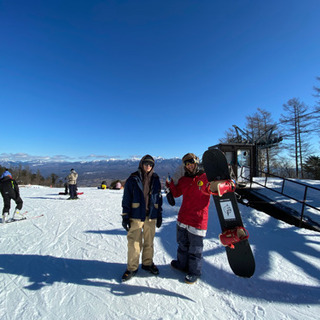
148	163
189	161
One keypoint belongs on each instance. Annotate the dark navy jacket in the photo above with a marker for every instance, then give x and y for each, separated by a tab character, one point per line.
133	202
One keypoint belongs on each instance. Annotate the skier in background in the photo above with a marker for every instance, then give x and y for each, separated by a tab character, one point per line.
118	186
104	185
10	191
142	212
72	182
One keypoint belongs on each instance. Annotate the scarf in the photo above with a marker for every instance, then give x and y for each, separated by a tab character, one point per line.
146	182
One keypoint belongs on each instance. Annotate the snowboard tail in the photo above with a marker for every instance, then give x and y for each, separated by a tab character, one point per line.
239	253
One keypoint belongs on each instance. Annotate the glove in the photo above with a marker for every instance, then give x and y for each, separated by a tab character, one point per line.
159	221
126	222
214	186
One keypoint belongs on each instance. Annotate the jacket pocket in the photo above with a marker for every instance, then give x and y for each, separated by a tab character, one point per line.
135	205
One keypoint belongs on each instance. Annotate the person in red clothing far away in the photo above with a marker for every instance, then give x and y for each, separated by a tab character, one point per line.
192	218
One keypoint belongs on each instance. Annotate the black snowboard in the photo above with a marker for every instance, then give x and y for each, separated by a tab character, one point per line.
240	258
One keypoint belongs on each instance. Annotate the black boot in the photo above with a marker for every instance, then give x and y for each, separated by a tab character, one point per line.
152	269
128	275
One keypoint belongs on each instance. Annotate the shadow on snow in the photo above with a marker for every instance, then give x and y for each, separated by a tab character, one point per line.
46	270
265	239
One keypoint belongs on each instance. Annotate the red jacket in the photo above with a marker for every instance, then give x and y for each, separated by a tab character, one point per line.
195	202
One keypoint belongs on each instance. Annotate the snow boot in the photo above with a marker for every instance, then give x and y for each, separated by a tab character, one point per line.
229	237
128	275
191	278
17	215
4	216
152	269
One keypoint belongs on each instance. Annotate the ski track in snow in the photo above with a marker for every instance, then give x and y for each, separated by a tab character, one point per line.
68	265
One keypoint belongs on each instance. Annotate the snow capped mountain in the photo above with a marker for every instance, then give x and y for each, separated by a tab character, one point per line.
91	173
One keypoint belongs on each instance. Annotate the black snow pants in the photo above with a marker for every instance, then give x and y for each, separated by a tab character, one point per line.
9	193
190	248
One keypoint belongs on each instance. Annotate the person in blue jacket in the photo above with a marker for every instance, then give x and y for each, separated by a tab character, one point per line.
142	212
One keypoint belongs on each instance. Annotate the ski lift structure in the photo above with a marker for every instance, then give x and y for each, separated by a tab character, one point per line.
242	153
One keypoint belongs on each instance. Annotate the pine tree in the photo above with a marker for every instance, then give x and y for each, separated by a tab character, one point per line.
297	124
316	111
262	130
312	167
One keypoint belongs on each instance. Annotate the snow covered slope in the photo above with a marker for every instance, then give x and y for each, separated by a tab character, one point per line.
68	265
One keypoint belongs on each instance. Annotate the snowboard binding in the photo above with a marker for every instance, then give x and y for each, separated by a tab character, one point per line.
220	187
229	237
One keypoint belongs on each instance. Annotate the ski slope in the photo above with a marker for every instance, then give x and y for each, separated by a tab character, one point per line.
68	265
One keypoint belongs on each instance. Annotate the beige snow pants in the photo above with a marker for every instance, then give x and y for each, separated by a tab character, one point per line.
140	238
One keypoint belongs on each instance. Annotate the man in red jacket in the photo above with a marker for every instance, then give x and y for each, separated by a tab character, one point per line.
192	218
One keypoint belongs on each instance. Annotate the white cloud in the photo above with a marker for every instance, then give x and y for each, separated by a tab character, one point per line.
98	156
24	157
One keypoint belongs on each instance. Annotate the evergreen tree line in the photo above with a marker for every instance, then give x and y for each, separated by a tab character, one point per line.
24	176
292	155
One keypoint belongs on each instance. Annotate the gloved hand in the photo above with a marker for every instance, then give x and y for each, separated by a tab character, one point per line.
214	186
126	222
159	221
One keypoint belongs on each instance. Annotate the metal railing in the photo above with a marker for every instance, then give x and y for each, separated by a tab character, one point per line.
282	183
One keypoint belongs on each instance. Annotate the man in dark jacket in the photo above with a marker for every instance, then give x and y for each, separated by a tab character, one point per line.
9	190
142	212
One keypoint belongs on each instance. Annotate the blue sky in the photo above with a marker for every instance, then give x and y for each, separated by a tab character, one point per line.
116	79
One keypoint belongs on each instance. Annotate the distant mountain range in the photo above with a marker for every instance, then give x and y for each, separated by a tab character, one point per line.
92	173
